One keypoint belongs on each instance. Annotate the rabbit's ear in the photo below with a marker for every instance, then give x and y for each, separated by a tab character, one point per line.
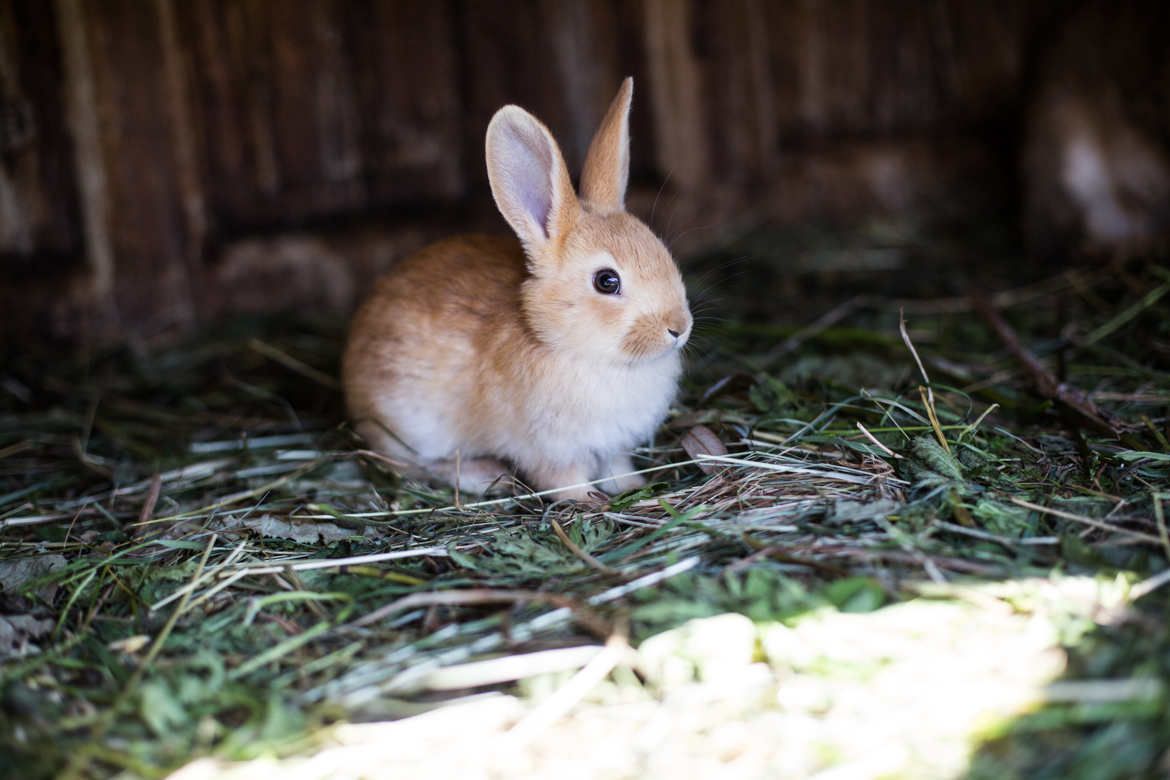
607	166
529	179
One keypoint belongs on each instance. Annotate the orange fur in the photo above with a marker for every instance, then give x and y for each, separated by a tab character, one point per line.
505	352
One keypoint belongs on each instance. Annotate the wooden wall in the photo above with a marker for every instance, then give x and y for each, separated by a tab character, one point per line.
146	146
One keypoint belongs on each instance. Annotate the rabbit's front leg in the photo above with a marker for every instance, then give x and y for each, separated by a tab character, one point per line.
619	469
570	479
474	476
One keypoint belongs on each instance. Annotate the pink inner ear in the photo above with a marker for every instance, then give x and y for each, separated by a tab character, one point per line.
533	190
526	166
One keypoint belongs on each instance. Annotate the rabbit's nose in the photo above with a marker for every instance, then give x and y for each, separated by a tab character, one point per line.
677	323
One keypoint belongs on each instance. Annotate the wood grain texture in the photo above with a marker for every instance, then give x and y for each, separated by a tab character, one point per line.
40	230
141	141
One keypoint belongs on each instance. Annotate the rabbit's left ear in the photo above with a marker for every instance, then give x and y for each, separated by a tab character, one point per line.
607	166
529	179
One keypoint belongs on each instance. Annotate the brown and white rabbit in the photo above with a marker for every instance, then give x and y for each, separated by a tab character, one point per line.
558	353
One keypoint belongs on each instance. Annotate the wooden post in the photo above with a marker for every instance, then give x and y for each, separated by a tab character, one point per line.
187	158
82	117
676	92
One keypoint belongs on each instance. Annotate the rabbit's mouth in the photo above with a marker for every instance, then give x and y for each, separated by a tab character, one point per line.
655	337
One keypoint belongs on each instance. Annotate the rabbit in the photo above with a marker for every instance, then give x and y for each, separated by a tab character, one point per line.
555	354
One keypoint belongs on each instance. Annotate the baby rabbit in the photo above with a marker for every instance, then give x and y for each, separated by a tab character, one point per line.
557	353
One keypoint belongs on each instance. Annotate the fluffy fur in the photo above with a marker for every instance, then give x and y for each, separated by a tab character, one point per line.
503	351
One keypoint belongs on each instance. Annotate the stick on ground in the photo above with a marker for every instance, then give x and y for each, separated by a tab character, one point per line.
1044	381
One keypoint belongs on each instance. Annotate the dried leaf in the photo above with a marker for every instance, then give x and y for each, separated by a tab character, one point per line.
301	532
13	574
131	644
17	630
701	440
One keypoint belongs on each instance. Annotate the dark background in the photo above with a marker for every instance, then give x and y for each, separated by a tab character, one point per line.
167	163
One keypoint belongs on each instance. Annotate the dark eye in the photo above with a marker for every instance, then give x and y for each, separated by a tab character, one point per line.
607	281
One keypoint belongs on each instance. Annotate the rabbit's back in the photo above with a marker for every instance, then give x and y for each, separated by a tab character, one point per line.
417	346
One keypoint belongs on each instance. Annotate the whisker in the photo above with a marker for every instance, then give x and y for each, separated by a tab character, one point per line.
674	240
670	221
654	208
721	267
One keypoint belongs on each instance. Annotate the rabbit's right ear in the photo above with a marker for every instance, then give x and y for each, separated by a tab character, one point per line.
529	179
607	165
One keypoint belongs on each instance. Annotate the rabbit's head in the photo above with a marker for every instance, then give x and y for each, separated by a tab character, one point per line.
601	285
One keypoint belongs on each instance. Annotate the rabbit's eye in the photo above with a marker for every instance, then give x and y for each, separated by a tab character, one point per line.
607	281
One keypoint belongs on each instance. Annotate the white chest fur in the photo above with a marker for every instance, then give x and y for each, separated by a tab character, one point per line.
581	410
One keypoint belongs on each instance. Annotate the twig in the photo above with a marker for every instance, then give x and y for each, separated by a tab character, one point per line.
914	352
381	457
147	513
589	559
928	402
835	476
291	363
880	446
1086	520
12	449
827	320
458	460
1160	516
587	617
989	537
1046	383
89	461
1149	585
333	563
613	594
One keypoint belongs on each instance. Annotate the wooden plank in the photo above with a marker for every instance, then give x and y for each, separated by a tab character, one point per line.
555	59
629	35
737	80
184	131
82	113
677	94
341	107
39	220
407	92
153	284
230	100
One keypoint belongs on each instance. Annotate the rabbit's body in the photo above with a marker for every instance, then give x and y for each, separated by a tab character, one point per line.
510	353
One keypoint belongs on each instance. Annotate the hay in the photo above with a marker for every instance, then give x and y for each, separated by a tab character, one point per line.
198	559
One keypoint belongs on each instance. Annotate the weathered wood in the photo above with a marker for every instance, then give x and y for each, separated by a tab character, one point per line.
197	127
337	109
555	59
38	214
154	285
676	93
81	110
876	69
406	72
187	152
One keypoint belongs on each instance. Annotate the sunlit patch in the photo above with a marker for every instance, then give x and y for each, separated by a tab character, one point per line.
904	691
